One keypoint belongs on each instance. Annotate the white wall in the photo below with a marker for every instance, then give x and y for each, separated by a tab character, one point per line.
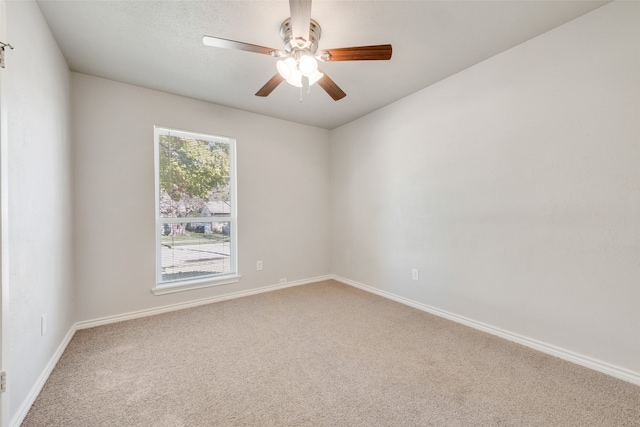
514	187
283	195
36	96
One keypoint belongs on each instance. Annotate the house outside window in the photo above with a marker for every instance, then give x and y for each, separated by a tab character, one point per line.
196	227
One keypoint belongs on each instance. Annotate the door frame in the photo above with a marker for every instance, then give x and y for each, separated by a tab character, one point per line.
4	255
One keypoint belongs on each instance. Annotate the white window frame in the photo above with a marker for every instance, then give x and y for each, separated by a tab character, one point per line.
179	285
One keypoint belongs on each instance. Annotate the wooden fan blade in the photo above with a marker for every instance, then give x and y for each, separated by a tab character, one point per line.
300	18
331	88
270	85
380	52
232	44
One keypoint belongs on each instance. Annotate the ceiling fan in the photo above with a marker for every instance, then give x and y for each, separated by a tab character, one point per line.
298	58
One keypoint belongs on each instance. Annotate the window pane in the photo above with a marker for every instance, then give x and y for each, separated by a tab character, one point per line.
194	250
195	190
194	177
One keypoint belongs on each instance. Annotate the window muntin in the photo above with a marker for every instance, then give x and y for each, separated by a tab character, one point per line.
195	208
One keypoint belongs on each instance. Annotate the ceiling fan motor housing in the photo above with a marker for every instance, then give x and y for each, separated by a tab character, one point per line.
291	44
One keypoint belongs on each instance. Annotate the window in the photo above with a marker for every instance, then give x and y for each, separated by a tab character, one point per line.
196	224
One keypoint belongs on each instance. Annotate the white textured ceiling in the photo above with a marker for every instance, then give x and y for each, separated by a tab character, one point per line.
158	45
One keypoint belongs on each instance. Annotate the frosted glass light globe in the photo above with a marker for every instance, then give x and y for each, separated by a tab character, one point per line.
308	65
313	78
295	79
287	67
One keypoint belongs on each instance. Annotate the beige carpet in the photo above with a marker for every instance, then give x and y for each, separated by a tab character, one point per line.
323	354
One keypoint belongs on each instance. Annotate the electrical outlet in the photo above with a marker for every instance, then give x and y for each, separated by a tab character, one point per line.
414	274
43	325
259	265
283	281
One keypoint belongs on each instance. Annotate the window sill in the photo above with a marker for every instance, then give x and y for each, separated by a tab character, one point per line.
195	284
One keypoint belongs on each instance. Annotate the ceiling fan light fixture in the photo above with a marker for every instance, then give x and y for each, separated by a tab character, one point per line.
287	67
315	76
295	79
308	65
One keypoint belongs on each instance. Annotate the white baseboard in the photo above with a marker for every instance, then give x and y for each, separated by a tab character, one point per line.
37	387
597	365
18	418
588	362
173	307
